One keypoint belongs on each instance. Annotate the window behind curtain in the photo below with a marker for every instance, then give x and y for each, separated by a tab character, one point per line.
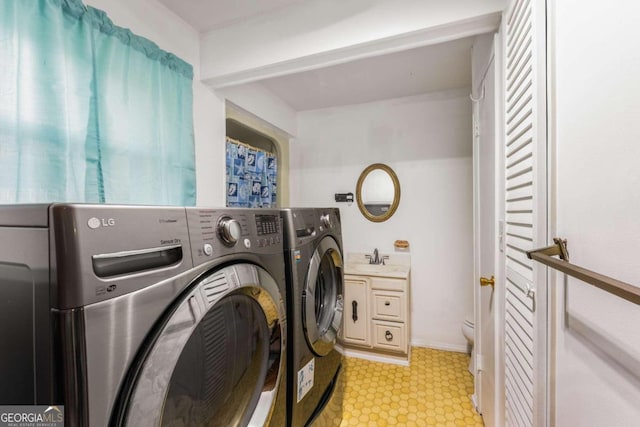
90	112
251	176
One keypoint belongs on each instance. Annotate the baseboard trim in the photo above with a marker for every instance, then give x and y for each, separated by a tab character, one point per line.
474	402
458	348
349	352
399	360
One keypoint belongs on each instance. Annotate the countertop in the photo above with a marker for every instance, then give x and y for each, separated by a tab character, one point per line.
398	266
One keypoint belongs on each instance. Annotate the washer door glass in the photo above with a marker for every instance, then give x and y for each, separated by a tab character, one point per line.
322	304
221	370
218	359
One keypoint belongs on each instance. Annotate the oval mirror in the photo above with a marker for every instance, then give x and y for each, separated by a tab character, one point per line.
378	192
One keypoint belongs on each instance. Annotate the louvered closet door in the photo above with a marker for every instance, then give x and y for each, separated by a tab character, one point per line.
526	225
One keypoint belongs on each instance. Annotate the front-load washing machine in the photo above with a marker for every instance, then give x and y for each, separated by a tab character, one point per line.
144	316
313	252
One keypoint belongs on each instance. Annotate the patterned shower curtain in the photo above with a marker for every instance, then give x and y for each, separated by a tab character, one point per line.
251	176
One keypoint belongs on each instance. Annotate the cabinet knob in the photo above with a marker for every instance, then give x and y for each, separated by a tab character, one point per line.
388	336
387	303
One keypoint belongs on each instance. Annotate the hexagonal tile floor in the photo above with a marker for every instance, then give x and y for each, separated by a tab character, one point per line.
433	391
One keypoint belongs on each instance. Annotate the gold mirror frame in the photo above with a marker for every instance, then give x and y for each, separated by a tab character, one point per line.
396	192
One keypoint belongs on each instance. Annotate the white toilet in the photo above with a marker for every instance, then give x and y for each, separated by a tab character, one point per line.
467	331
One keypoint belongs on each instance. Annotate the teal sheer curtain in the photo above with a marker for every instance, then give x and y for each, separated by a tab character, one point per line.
89	112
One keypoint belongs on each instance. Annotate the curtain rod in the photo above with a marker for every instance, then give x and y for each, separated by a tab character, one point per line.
235	141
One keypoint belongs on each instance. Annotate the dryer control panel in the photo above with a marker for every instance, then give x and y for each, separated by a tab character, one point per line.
305	225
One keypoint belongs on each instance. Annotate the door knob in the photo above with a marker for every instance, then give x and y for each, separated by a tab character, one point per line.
487	282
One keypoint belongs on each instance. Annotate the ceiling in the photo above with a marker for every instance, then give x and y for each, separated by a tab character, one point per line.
207	15
411	72
416	71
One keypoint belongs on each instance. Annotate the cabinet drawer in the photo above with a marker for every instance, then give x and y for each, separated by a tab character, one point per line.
389	336
385	283
388	305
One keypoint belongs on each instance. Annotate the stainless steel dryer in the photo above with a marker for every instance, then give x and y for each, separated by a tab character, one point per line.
144	316
313	245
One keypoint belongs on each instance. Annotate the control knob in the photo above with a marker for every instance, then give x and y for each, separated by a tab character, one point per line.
326	220
229	230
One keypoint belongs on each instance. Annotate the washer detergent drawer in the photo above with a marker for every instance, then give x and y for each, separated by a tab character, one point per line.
389	336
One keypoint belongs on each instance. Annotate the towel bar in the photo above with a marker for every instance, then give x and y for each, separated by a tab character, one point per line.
545	256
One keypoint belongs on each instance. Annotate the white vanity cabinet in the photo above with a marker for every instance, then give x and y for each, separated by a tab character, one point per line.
377	314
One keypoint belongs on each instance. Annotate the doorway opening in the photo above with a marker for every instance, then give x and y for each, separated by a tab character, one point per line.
269	147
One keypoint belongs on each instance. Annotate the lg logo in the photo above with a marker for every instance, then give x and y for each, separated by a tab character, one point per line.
94	222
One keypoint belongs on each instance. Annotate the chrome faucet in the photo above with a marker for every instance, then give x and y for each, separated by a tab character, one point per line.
375	257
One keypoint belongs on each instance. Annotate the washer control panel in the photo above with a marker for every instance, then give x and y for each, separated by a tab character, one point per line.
219	232
269	230
229	230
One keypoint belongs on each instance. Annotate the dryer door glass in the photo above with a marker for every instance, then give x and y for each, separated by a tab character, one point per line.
322	305
218	360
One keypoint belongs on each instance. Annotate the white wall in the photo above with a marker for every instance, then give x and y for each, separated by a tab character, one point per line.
256	99
597	133
320	27
427	141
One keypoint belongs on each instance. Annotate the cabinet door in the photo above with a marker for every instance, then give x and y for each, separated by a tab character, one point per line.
356	312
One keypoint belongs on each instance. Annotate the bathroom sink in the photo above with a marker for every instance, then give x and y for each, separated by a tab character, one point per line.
386	270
